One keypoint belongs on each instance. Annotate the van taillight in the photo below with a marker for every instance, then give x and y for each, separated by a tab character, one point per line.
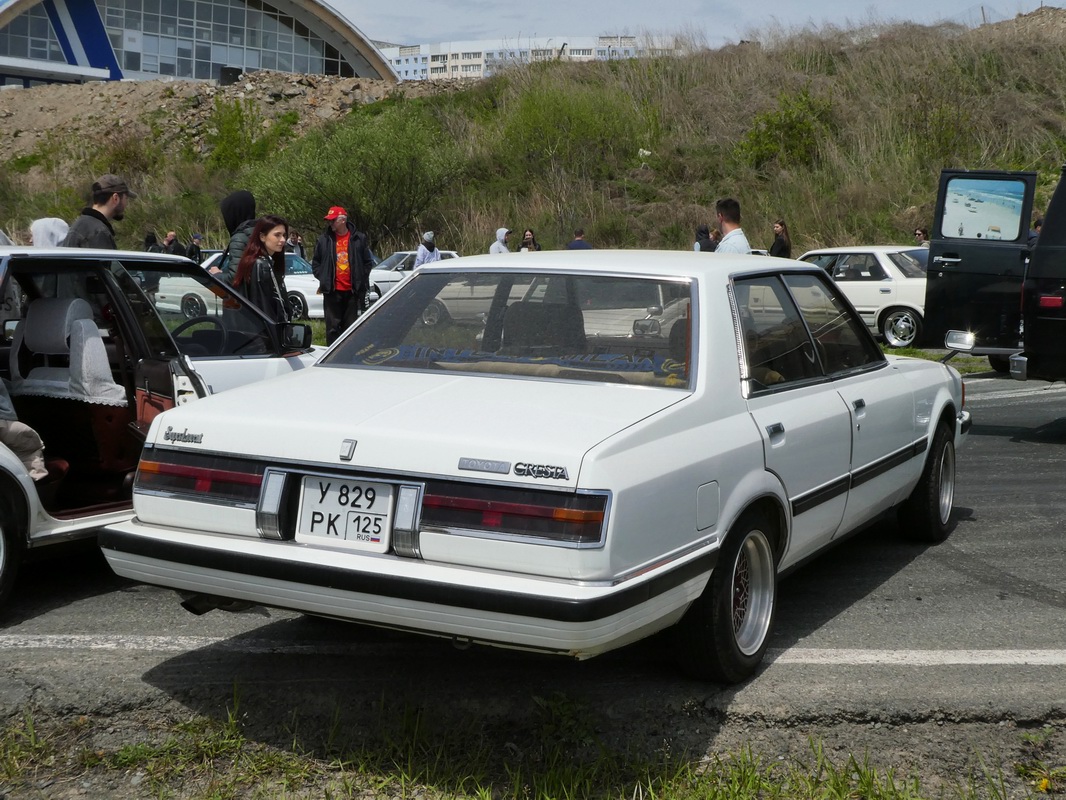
1050	301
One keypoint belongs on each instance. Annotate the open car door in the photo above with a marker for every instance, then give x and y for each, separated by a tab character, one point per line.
977	258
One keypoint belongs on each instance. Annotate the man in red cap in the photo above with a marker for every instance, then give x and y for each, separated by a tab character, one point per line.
342	263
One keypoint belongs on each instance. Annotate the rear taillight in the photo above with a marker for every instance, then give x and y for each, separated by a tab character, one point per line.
202	477
555	516
1050	301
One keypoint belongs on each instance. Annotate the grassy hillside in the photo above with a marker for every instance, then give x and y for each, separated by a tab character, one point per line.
841	132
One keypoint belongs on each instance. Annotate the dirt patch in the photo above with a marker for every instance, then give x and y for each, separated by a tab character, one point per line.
180	110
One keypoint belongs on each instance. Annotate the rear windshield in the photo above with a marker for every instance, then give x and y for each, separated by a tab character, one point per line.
558	326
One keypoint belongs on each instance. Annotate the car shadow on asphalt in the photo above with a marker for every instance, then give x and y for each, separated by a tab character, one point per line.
56	577
319	681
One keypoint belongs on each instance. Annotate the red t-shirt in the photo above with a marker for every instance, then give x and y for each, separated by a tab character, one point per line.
343	280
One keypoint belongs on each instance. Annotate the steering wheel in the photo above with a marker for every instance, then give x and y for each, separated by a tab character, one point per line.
213	321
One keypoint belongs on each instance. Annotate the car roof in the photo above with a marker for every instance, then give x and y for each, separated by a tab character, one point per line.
72	253
865	248
640	263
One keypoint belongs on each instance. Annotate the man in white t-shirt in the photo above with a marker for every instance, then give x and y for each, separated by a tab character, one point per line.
733	238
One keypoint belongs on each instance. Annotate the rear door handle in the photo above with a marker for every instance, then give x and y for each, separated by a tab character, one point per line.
947	260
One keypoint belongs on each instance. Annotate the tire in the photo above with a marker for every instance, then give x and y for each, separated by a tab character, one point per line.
724	634
901	327
297	306
193	306
11	551
435	313
925	516
999	363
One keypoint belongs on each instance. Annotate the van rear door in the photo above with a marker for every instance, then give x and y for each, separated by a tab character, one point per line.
977	259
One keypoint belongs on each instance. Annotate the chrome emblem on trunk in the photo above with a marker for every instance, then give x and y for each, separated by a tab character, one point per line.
485	465
348	449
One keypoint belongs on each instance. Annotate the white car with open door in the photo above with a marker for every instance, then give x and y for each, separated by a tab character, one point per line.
534	476
88	360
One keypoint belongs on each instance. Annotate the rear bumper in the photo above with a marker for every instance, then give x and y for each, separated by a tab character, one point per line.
576	618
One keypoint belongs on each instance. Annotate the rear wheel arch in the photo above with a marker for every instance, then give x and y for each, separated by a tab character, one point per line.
725	631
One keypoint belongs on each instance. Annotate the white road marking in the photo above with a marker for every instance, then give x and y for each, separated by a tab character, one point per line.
795	655
918	658
1021	391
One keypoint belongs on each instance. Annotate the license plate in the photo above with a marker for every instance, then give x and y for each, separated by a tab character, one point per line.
355	514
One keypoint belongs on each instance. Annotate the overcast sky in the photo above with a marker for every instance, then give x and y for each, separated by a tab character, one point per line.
719	21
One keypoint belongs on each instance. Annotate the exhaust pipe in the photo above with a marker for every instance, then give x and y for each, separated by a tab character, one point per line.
200	604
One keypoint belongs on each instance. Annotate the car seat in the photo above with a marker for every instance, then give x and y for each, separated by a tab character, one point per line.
543	329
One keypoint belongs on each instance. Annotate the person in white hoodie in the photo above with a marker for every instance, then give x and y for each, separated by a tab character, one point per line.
427	251
500	245
48	231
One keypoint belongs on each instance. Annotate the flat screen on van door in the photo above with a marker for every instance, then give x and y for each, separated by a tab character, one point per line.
983	208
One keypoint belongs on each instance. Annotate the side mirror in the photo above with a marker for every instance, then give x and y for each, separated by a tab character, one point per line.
647	327
963	341
296	336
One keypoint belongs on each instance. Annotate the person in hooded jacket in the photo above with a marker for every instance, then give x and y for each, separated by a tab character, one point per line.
427	250
238	212
342	262
48	231
704	242
500	245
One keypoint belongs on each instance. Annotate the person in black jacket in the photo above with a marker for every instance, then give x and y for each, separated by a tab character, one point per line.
260	274
238	212
782	245
342	263
704	242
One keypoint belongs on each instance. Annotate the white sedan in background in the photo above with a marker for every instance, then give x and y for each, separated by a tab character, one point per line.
389	272
885	283
574	488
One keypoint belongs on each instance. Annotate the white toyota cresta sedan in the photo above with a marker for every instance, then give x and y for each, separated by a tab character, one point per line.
526	478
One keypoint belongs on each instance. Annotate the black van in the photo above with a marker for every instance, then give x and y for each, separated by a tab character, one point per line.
979	249
1044	299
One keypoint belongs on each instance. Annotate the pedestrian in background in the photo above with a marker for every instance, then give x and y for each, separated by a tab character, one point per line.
238	212
342	262
500	245
704	242
295	244
195	252
921	236
109	197
427	250
733	239
260	274
782	244
48	231
529	242
578	242
172	245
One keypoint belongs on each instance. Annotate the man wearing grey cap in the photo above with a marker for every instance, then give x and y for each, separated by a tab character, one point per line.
110	194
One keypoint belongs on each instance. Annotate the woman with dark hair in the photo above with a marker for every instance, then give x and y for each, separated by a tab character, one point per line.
151	243
782	246
261	271
529	242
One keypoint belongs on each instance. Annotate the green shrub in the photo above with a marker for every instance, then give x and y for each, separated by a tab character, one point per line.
588	132
386	169
790	135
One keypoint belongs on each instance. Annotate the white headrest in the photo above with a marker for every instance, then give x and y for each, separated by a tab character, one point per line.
48	322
